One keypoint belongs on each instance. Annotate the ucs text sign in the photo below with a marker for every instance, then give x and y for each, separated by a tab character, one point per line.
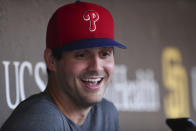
19	69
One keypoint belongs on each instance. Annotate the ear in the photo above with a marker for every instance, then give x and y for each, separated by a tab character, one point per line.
49	59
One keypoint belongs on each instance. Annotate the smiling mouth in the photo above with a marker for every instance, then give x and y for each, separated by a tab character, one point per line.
92	83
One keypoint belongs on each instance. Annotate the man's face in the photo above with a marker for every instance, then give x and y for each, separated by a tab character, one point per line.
84	74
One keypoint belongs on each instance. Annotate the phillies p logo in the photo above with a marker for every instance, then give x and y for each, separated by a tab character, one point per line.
92	17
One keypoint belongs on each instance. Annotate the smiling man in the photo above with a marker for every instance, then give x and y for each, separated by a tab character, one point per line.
79	56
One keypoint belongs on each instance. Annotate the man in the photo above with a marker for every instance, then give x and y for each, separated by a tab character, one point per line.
79	59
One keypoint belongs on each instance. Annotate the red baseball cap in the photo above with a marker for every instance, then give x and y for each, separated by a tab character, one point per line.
81	25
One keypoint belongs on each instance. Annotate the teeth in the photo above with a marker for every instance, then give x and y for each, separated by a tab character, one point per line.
92	80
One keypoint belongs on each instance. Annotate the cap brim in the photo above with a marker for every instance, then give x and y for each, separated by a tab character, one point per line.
91	43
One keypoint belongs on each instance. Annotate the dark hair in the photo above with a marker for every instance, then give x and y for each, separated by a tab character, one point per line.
57	54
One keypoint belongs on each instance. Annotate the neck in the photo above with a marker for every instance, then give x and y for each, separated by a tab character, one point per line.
71	110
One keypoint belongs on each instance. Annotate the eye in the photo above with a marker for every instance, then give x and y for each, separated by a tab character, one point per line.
106	54
81	54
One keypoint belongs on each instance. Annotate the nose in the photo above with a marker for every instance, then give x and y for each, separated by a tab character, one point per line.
95	63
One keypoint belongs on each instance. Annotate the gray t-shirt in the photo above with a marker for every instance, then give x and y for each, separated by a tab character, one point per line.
39	113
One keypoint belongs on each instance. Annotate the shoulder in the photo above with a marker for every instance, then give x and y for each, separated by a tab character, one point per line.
36	112
107	105
107	108
106	102
37	104
105	116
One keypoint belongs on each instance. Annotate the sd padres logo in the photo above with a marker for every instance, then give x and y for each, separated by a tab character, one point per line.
92	17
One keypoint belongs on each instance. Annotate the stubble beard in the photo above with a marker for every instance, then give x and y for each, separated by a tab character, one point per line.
75	95
80	100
